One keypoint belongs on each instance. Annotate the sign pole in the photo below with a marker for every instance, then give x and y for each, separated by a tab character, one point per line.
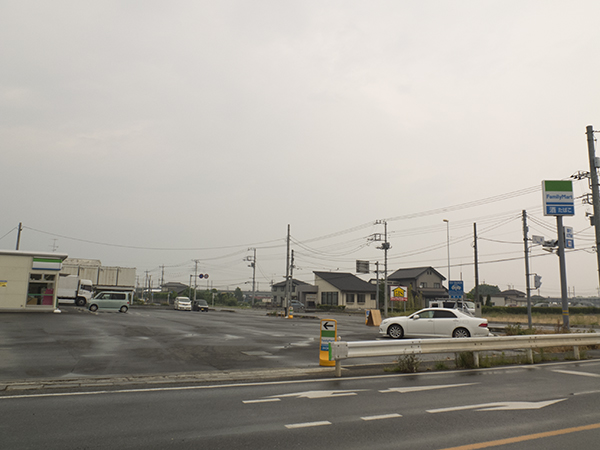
558	201
563	272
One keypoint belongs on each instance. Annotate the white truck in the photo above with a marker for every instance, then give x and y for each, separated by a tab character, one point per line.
104	278
73	288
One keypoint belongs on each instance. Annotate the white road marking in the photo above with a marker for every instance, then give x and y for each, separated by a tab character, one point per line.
308	424
572	372
321	394
404	390
499	406
381	417
263	400
234	384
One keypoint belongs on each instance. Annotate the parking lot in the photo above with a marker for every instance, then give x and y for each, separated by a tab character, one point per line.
148	341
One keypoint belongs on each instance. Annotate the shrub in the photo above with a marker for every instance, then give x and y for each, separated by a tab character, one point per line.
464	360
408	364
331	307
516	330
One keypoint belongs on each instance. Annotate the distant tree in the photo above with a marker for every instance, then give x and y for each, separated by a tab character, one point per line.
226	299
484	291
239	295
488	300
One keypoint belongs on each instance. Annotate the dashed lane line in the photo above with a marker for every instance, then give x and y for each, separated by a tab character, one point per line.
381	417
573	372
308	424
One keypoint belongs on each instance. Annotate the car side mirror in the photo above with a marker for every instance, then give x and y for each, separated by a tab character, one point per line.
416	316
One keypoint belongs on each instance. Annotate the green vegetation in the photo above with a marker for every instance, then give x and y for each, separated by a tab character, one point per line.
440	365
485	291
407	364
464	360
331	307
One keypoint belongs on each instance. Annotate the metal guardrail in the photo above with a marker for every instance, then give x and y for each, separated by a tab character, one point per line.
340	350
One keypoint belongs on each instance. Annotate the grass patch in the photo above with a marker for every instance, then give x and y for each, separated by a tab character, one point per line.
464	360
407	364
575	320
440	365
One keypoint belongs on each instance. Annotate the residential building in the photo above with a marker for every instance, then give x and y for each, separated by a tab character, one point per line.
425	283
278	291
510	297
344	289
175	287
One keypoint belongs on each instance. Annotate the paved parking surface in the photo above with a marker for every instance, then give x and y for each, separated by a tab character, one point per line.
151	341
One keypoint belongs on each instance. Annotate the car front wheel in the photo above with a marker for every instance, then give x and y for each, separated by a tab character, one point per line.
395	331
461	333
94	308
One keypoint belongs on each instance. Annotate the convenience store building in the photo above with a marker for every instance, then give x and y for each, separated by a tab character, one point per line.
28	280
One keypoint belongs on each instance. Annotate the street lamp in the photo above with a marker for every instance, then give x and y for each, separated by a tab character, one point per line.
448	247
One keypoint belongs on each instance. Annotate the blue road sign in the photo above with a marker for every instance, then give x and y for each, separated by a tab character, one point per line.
569	241
456	289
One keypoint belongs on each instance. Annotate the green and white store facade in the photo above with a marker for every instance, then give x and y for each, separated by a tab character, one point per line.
28	280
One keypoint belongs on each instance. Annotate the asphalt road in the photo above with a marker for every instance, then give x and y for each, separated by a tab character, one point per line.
147	341
549	407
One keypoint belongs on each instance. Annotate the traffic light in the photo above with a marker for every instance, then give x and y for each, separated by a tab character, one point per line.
537	281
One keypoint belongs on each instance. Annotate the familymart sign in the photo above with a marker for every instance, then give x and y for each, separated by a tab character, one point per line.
558	198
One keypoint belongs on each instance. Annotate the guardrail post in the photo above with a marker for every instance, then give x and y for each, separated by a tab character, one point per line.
476	359
338	368
530	355
576	352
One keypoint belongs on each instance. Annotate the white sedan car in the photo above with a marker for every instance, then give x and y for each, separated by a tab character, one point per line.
435	322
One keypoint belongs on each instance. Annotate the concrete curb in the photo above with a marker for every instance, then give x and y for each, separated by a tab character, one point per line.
164	379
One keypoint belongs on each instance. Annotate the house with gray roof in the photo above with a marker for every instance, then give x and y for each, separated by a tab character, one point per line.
425	283
278	291
345	289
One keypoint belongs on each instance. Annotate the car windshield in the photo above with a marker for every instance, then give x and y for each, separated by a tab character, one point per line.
202	302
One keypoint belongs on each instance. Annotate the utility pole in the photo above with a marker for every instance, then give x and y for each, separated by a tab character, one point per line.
377	278
195	277
594	164
448	249
476	263
252	260
150	293
291	276
527	275
287	274
19	235
385	246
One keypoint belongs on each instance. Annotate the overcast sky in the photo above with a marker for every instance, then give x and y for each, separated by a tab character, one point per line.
153	133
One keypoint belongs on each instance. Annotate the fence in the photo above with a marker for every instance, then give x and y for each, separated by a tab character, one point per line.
340	350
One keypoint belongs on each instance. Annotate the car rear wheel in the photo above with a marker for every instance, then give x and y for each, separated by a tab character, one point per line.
461	333
93	307
123	309
80	301
395	331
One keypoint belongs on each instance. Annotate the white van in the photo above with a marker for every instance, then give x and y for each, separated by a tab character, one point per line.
111	300
466	306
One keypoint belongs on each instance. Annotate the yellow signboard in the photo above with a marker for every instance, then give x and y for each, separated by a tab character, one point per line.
398	294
